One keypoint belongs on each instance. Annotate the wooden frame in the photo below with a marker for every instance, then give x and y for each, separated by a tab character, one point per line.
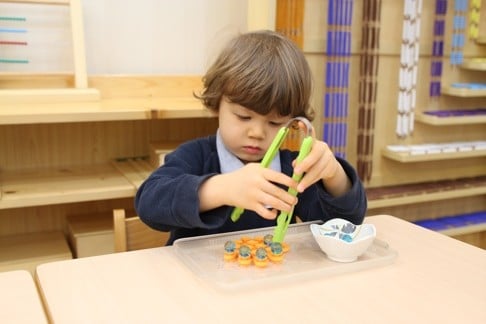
132	234
80	91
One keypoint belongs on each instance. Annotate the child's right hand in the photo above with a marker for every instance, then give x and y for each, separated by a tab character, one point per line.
254	188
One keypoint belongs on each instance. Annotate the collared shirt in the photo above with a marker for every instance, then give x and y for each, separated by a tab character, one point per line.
229	162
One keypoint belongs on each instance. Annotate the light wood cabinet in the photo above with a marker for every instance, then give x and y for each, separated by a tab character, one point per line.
63	159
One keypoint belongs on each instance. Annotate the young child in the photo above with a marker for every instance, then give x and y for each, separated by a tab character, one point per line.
257	84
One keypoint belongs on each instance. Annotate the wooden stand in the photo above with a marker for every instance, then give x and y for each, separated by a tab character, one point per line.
80	90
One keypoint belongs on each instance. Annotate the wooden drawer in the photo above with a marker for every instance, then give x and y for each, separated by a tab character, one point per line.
91	235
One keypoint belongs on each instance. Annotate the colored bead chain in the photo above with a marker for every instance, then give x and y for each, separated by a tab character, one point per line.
340	14
408	67
368	86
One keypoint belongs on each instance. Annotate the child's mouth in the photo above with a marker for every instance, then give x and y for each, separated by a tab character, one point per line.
252	150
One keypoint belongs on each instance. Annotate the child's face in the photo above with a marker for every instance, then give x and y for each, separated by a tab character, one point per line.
245	133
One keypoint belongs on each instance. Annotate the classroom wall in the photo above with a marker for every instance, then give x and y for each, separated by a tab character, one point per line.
385	171
154	36
126	36
181	37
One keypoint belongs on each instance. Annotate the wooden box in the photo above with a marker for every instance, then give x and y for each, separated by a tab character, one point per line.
91	235
28	250
158	151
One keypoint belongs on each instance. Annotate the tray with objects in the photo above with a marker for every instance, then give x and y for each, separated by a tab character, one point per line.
204	256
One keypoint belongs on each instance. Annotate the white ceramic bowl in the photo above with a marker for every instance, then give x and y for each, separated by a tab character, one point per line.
343	241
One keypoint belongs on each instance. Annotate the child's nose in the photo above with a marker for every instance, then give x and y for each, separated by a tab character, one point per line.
256	131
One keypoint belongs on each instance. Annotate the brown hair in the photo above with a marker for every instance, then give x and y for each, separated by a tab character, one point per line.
260	71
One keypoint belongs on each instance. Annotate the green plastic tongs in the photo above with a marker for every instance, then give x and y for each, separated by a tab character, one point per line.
284	218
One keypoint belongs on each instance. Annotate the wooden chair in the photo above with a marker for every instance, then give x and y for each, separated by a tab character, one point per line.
130	233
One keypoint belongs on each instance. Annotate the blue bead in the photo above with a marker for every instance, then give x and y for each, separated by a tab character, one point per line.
267	239
244	251
261	253
229	246
346	237
276	248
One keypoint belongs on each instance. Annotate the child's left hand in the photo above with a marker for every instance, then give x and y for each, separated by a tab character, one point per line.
321	164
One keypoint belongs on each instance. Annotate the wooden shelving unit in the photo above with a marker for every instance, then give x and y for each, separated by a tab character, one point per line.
397	168
126	98
60	154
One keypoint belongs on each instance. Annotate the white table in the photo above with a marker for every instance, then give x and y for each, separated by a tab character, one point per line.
435	279
19	299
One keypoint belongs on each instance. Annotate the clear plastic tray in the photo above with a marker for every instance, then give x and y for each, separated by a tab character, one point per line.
204	256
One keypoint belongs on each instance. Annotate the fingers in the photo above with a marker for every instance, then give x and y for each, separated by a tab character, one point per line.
280	200
266	196
319	164
275	196
266	213
279	178
316	154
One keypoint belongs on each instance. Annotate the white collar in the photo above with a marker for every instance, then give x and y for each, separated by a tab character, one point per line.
229	162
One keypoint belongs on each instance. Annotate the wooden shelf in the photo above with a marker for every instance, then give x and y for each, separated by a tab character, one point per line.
464	93
105	110
447	121
481	40
476	64
135	170
62	185
122	98
121	179
469	229
422	198
15	96
425	192
407	157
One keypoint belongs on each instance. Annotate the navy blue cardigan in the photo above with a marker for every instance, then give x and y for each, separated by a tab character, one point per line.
168	199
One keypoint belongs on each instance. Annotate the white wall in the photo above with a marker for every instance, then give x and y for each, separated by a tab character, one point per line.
125	36
158	36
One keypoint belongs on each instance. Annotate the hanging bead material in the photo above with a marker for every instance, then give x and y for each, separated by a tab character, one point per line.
290	20
458	31
368	86
340	14
437	48
474	15
408	67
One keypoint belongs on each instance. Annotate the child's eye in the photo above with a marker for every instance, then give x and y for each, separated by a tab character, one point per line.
242	117
276	123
